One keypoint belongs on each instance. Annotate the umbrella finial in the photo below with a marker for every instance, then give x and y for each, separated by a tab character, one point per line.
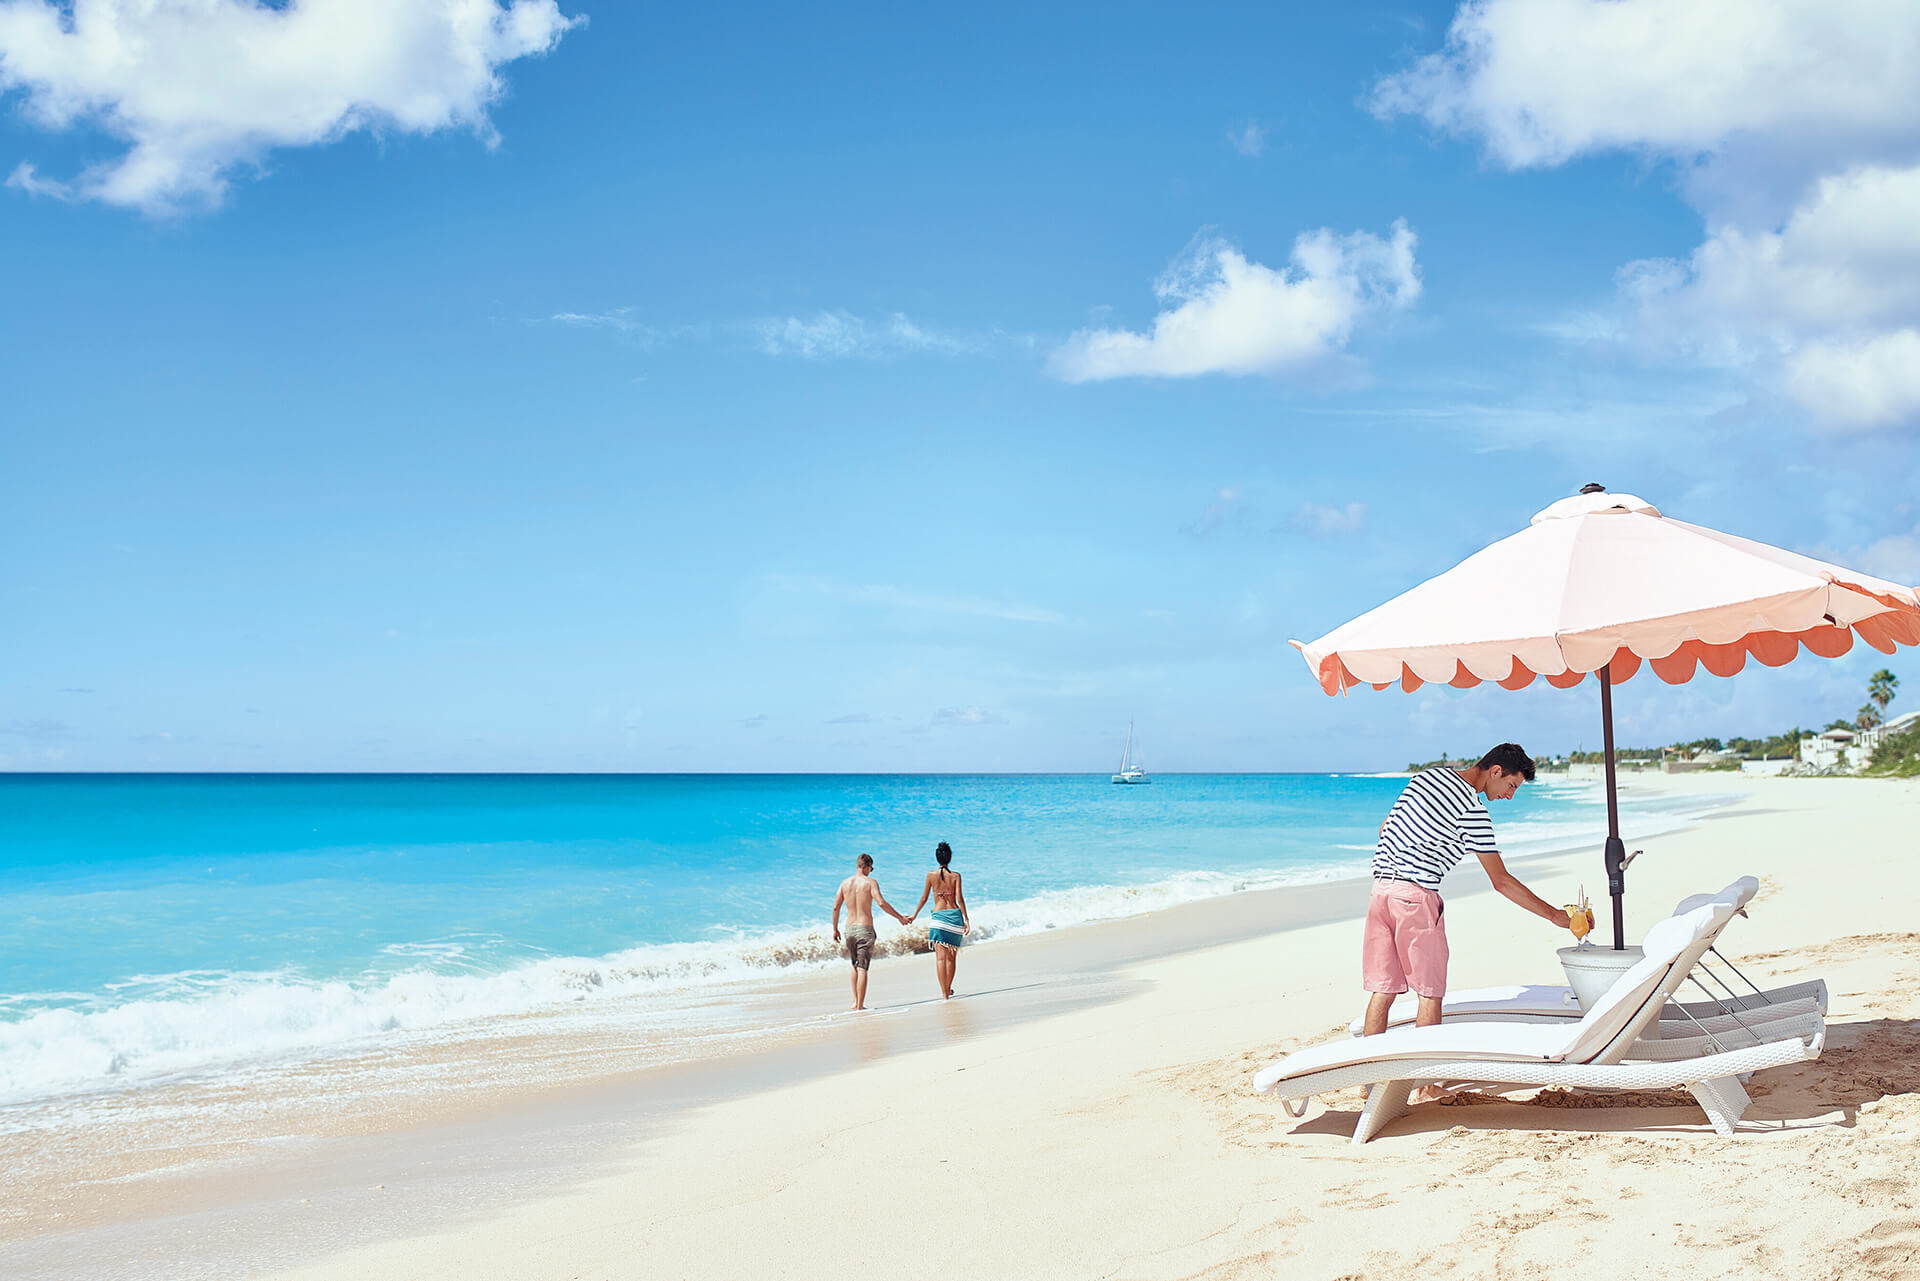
1593	487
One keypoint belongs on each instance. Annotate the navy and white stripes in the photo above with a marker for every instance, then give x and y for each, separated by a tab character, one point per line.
1438	820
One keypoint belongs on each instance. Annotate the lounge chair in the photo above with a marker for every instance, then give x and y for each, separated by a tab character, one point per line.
1586	1053
1725	1007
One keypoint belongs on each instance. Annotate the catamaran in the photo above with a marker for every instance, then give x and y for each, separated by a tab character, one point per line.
1130	771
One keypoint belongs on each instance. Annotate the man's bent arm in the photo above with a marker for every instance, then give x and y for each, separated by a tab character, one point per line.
838	899
1510	888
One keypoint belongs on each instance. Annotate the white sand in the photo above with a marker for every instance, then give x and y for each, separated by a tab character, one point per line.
1123	1140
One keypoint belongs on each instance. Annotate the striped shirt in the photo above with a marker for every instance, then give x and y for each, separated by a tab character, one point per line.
1438	820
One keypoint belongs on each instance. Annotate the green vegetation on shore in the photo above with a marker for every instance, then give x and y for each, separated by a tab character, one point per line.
1898	755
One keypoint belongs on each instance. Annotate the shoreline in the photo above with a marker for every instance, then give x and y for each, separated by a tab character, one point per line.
540	1139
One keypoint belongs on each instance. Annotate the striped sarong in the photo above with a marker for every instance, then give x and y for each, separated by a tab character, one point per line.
946	926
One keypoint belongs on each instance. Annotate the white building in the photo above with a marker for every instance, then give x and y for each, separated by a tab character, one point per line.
1834	749
1872	738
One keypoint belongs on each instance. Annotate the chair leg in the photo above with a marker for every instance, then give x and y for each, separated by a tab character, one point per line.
1725	1102
1386	1102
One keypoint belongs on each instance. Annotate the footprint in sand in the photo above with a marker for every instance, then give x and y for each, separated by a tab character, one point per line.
1892	1249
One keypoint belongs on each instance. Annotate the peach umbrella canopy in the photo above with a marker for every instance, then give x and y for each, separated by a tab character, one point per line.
1604	580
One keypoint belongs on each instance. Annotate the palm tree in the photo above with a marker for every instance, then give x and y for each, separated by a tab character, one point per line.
1880	687
1867	717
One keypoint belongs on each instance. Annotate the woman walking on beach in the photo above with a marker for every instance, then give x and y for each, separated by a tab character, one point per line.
950	924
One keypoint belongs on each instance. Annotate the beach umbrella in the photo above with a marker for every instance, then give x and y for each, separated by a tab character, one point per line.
1604	584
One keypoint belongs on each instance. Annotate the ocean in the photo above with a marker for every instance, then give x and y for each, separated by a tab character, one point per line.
170	927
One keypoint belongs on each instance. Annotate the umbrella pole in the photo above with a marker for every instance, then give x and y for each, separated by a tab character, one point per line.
1616	850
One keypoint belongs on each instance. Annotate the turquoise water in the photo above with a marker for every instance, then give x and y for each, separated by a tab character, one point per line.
155	925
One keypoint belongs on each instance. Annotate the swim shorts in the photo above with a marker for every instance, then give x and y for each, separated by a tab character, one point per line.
860	946
1406	941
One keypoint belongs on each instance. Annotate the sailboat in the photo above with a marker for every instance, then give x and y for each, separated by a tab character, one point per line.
1130	771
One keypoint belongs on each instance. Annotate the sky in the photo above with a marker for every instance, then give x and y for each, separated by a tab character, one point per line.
408	385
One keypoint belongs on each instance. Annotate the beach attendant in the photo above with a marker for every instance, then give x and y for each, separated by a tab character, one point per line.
950	924
858	893
1438	820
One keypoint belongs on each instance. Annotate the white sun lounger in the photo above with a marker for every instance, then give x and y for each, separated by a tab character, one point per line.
1584	1054
1678	1019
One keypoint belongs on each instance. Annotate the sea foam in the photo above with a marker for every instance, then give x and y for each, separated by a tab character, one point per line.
207	1022
225	1023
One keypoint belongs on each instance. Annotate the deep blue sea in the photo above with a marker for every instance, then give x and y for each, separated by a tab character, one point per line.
154	925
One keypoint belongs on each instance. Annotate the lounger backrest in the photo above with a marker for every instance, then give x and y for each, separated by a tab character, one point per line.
1722	910
1633	1002
1739	893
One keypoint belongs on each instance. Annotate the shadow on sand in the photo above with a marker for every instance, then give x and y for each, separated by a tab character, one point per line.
1866	1062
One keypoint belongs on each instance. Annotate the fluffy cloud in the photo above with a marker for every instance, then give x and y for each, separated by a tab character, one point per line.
198	87
1846	258
1231	316
1873	384
1796	128
1543	81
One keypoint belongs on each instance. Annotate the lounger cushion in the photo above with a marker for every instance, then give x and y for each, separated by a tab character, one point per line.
1578	1042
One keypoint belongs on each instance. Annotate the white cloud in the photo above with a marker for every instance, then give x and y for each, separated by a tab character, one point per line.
839	335
622	322
1320	519
1873	384
620	318
1543	81
196	88
1846	259
1250	140
26	178
1232	316
1795	126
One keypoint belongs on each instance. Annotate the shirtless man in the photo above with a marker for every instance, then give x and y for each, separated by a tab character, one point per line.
858	893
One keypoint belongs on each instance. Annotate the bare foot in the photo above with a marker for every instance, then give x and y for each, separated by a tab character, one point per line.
1430	1094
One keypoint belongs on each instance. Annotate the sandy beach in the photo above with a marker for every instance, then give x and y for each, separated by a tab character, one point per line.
1084	1110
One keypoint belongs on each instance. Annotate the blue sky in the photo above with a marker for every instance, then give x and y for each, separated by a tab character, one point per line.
610	388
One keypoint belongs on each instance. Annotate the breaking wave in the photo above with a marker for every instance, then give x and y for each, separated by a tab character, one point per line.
205	1021
198	1022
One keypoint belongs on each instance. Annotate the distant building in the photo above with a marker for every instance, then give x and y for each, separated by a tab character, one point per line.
1872	738
1835	749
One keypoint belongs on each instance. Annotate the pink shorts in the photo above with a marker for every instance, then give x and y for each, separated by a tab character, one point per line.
1406	941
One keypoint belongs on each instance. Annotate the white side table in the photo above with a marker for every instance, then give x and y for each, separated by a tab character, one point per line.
1593	970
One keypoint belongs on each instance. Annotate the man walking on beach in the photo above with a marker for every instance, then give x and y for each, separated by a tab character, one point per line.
858	893
1438	820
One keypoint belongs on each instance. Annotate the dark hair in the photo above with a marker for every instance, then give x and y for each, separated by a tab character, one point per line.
943	854
1511	758
866	860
